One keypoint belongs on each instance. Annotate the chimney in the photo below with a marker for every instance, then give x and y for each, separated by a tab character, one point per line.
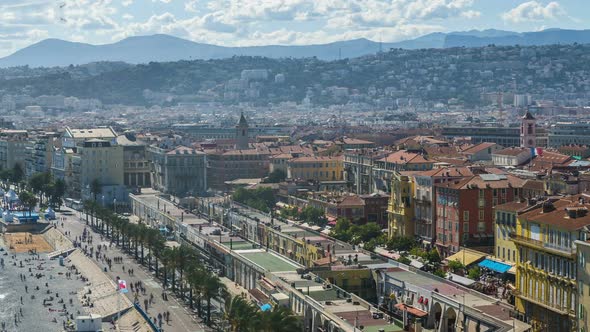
548	206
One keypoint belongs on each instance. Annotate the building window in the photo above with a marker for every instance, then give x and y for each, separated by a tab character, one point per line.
466	227
465	215
481	227
481	214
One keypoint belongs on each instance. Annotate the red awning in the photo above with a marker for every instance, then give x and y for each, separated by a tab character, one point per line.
414	311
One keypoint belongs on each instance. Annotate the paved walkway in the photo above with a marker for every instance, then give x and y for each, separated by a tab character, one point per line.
181	320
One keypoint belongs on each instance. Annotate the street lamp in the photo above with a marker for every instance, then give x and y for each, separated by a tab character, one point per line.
115	205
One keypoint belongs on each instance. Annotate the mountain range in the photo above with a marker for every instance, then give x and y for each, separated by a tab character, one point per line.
163	48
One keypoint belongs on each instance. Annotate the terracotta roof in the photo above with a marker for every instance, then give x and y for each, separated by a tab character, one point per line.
511	206
484	181
573	147
479	147
351	200
558	217
552	157
348	140
453	161
405	157
452	172
443	151
312	159
511	151
534	185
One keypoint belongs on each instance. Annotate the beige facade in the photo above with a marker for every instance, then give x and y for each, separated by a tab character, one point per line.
99	160
13	144
583	277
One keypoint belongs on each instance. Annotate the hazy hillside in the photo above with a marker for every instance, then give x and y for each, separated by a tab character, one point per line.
164	48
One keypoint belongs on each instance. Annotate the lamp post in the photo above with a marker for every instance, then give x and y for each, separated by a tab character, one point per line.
115	205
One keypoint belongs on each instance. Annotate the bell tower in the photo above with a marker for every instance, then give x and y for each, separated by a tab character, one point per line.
242	133
528	134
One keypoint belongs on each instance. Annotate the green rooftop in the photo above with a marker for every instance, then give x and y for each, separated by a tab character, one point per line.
240	245
269	262
386	328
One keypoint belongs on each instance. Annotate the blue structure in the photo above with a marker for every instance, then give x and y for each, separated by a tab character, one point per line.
494	266
49	214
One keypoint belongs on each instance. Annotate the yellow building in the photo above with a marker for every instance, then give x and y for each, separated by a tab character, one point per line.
315	168
353	279
291	242
583	312
401	205
505	216
546	286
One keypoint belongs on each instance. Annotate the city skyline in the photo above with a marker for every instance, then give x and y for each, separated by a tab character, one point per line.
292	22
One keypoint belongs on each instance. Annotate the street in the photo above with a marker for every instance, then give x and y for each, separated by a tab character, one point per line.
181	320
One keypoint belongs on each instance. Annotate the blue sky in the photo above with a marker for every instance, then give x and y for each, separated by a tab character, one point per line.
262	22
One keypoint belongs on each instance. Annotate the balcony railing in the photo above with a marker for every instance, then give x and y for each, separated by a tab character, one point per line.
563	310
542	245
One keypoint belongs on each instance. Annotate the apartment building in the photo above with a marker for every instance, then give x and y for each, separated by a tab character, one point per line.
316	168
546	286
181	171
505	216
465	215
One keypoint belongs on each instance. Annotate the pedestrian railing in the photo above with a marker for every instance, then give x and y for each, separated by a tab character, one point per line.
146	317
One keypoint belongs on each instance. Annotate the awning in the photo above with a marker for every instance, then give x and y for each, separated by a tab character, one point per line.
460	280
416	264
466	257
411	310
495	266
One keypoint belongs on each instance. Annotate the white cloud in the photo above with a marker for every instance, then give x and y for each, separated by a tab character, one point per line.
534	11
126	3
470	14
164	23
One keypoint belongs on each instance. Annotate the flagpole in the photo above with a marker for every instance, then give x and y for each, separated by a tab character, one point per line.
118	309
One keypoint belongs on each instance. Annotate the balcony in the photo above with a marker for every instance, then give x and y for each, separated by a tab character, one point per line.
543	246
545	304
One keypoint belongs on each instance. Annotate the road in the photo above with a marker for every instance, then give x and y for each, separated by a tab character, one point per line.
181	320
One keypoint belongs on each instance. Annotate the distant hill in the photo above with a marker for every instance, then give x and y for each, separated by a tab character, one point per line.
164	48
545	37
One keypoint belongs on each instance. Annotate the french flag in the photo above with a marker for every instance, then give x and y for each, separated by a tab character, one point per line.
536	152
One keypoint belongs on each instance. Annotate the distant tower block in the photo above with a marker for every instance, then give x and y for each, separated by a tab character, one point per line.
528	135
242	133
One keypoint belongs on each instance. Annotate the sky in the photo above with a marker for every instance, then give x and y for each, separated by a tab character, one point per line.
264	22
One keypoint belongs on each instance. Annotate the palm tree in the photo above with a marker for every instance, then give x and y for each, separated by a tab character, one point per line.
157	249
168	260
279	319
240	314
195	276
212	288
95	188
28	200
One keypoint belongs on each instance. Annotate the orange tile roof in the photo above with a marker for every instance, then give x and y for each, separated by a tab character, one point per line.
405	157
558	217
478	181
511	206
511	151
312	159
479	147
452	172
